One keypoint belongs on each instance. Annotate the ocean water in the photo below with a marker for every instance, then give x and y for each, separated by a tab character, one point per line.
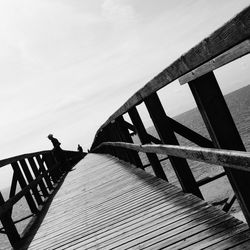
239	105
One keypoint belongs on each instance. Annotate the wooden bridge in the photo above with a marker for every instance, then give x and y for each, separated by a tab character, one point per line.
108	201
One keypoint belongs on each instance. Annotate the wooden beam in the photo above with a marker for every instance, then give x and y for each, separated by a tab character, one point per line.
43	171
20	157
234	53
232	159
23	184
9	226
36	173
134	157
143	135
29	178
223	131
166	133
190	134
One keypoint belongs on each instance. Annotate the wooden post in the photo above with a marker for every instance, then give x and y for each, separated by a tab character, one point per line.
50	163
36	173
112	138
134	156
142	133
166	133
223	132
23	184
30	179
9	226
43	170
124	152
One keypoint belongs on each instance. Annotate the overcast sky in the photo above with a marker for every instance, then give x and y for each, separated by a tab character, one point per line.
67	65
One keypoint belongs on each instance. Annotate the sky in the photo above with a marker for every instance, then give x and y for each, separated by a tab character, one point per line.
67	65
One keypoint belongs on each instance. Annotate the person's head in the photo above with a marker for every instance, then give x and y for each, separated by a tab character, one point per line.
50	136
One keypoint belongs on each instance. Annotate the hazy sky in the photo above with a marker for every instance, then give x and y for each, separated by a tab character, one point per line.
67	65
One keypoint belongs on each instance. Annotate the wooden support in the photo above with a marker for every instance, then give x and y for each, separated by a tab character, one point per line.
133	155
36	173
143	136
223	132
13	185
107	137
166	133
29	180
190	134
113	138
23	184
43	170
50	163
120	137
9	226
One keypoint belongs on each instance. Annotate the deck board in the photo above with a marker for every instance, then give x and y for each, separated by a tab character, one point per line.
106	204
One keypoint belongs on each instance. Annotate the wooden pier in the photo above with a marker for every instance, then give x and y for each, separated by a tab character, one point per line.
107	204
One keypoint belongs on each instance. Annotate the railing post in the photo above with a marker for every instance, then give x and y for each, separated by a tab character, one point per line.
113	138
166	133
134	156
50	163
43	170
36	173
143	136
223	132
120	132
23	184
9	226
30	179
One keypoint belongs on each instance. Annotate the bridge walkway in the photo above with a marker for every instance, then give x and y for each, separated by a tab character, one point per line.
106	204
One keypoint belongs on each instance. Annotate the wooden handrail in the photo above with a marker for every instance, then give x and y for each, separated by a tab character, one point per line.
229	35
228	158
20	157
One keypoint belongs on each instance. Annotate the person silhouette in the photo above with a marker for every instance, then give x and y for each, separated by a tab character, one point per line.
79	148
58	153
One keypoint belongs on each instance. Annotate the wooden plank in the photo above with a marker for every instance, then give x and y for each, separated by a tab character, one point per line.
232	54
124	207
223	132
229	35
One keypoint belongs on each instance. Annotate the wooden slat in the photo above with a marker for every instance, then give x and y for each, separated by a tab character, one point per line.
105	204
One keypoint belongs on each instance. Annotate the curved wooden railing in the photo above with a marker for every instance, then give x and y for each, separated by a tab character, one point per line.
195	67
38	175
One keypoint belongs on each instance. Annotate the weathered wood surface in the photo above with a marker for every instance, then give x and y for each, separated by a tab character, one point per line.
226	57
104	204
233	159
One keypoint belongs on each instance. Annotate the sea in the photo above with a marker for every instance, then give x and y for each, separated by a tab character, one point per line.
214	192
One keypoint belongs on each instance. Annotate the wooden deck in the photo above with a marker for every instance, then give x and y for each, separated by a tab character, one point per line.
104	204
